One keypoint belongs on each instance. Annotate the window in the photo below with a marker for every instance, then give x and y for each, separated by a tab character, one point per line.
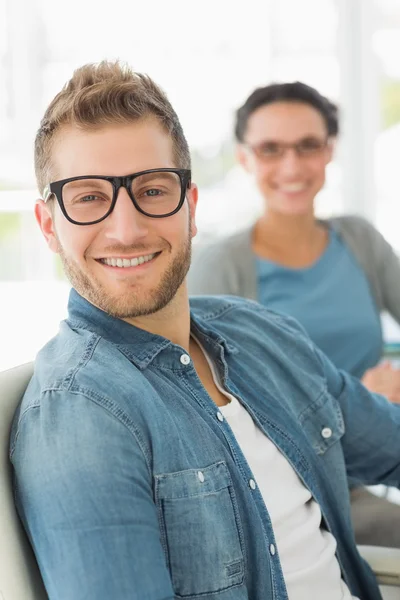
386	45
208	58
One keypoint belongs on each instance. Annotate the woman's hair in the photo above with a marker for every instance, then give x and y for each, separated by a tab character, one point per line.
98	95
287	92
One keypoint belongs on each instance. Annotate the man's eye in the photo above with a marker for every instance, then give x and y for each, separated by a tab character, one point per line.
152	192
90	198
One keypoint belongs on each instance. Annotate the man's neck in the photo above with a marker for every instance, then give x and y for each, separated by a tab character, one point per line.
171	322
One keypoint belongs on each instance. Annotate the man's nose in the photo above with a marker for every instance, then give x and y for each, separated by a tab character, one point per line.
126	224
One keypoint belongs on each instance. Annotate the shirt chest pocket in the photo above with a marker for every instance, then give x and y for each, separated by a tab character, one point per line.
323	423
200	530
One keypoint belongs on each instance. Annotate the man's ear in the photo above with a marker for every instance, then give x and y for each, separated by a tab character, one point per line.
192	196
44	213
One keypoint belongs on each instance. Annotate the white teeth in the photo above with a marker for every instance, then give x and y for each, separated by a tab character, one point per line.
127	262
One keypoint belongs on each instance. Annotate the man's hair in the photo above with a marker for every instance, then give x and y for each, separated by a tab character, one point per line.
108	93
287	92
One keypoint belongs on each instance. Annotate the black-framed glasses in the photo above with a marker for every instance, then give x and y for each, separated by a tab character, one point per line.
89	199
271	150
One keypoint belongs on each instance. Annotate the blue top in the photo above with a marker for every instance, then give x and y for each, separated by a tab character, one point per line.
333	302
115	426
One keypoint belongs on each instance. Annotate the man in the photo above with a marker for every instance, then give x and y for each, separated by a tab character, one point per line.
164	450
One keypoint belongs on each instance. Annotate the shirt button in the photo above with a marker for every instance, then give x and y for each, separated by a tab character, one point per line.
185	359
220	416
326	432
272	549
200	475
252	484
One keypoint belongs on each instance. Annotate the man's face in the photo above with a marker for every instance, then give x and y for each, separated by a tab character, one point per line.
165	243
288	183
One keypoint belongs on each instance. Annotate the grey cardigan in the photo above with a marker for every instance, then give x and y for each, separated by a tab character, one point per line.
227	266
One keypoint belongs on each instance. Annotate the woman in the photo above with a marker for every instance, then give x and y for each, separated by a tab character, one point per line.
334	276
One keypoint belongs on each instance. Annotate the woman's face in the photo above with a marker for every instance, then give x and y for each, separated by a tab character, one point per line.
286	149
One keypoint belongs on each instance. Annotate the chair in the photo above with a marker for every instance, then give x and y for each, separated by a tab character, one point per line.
19	574
385	563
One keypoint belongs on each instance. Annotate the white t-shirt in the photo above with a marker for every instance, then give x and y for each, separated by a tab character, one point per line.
306	550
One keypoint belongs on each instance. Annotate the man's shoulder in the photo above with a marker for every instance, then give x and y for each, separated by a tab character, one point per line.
251	330
209	307
237	312
73	361
214	307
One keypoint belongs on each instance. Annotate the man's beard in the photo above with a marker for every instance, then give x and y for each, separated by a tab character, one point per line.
131	305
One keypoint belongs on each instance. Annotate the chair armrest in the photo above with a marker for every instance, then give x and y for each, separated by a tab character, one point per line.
385	562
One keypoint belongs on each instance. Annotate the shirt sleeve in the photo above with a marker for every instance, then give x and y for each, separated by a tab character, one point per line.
84	492
371	442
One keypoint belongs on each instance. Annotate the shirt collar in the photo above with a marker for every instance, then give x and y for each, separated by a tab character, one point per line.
140	346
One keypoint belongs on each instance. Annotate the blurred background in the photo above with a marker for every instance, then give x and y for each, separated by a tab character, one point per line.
208	56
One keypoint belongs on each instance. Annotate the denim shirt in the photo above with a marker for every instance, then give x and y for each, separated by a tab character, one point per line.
131	484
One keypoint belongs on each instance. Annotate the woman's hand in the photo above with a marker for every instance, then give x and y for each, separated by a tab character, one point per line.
384	379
